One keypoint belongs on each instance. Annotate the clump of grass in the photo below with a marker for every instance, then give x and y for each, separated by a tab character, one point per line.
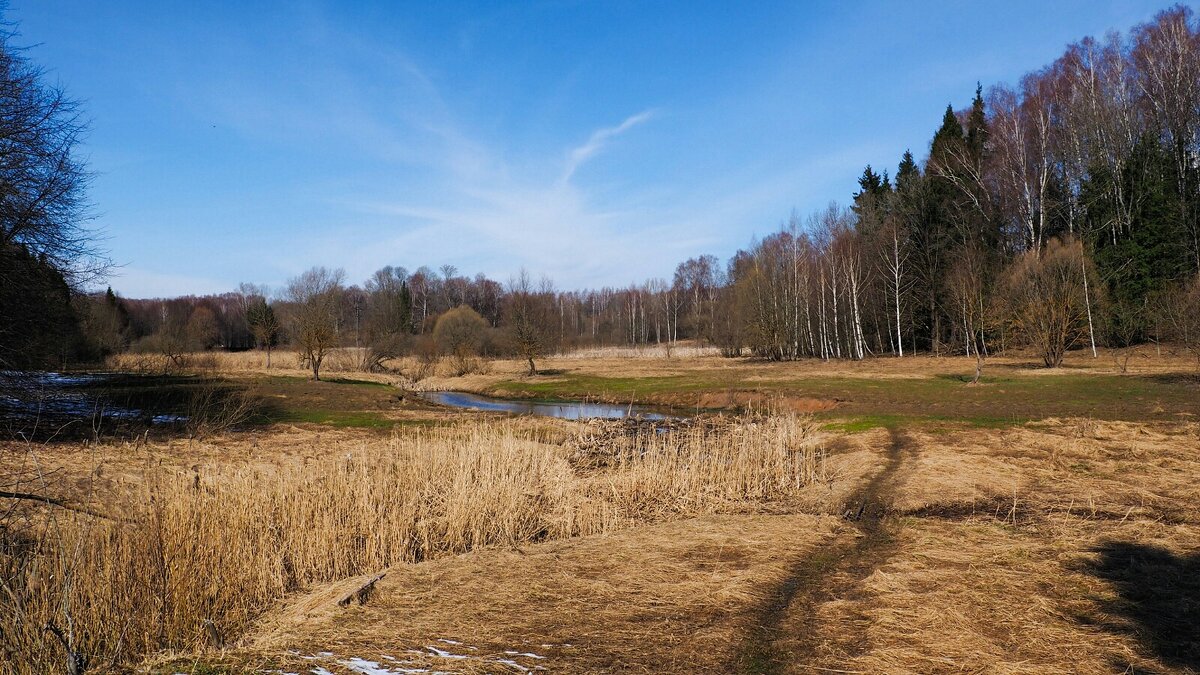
197	557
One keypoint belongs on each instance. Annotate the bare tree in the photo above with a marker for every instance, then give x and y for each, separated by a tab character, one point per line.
315	296
264	325
47	250
1022	160
894	253
43	209
1179	310
968	295
528	317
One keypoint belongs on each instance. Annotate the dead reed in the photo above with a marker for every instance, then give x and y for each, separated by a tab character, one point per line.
198	557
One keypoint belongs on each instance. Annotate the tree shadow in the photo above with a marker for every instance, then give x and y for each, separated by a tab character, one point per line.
1159	596
1185	379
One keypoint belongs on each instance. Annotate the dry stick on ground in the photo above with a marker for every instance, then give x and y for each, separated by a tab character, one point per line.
361	592
53	502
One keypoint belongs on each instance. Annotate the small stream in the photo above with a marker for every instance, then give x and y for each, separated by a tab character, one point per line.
33	400
567	410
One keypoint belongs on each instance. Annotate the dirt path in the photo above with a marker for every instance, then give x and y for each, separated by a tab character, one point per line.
786	629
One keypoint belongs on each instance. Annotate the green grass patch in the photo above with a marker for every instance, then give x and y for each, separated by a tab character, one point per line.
862	423
933	423
335	418
1000	400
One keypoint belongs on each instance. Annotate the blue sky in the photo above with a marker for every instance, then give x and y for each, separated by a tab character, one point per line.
596	143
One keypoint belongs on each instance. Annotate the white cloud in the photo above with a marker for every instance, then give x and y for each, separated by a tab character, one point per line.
596	142
458	198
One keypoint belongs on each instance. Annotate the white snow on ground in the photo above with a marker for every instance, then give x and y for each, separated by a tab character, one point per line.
529	654
374	668
365	667
390	665
445	654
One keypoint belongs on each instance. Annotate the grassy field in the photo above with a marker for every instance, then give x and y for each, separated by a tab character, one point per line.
885	516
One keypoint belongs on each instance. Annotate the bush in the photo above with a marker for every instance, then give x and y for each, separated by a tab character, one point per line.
460	334
1046	302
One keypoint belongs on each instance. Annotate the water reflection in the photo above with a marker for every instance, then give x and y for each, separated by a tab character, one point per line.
568	410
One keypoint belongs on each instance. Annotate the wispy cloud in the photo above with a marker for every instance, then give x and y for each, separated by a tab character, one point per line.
457	195
596	142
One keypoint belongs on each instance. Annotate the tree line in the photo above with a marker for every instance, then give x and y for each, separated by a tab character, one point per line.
1058	213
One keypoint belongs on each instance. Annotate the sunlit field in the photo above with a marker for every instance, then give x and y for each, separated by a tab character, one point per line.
750	537
386	338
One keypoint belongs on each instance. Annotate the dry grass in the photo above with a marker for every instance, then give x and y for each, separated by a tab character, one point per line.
976	596
970	579
660	598
283	362
683	350
222	546
1025	549
1060	547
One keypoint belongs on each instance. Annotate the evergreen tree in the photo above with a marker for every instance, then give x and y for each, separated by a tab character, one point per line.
933	232
907	172
977	127
405	308
871	201
118	307
1152	254
947	141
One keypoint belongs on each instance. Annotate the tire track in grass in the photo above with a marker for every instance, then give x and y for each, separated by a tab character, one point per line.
785	629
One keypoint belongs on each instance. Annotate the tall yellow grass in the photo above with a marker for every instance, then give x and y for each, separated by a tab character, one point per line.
221	548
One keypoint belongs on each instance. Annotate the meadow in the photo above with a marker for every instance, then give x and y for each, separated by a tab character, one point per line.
884	516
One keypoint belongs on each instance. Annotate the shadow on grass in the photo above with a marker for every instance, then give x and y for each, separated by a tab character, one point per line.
361	383
1158	595
1179	379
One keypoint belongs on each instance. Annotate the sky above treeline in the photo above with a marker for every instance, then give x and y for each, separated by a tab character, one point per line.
595	143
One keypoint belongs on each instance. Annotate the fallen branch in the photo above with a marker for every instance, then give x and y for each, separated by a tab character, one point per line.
53	502
362	592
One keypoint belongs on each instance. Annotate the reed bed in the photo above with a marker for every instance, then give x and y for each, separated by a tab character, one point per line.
196	558
342	360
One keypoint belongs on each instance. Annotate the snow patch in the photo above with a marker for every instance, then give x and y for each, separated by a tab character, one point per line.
445	654
528	654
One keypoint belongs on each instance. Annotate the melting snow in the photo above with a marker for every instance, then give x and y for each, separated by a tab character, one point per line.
529	654
395	666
